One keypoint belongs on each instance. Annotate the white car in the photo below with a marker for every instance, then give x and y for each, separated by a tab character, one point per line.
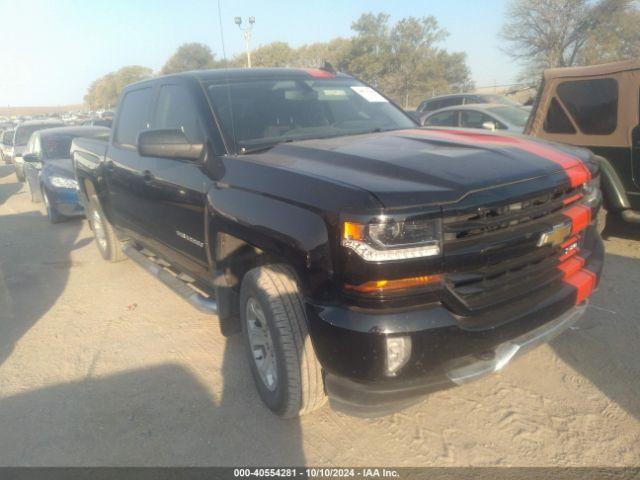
21	137
487	116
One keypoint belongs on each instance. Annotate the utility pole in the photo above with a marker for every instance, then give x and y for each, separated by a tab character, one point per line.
246	34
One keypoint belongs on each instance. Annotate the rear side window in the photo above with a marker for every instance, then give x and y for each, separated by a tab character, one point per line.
593	104
133	118
175	110
557	121
444	119
473	119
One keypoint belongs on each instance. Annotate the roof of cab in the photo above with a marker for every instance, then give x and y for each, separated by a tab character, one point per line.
255	72
592	70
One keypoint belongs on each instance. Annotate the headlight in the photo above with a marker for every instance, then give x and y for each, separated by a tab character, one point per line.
62	182
592	193
390	240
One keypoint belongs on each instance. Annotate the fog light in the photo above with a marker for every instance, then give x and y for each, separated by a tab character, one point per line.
398	353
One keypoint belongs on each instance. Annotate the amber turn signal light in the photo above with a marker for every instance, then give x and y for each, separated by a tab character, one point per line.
353	231
380	286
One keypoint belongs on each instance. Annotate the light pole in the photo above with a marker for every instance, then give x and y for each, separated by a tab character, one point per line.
246	34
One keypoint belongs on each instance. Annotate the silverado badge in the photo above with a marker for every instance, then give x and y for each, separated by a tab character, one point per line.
556	236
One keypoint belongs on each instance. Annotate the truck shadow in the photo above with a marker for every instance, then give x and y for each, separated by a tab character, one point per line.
604	346
157	416
34	274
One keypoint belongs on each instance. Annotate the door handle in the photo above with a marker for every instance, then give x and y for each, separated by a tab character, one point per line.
147	176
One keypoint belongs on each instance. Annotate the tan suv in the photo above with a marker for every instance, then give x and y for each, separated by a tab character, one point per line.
597	107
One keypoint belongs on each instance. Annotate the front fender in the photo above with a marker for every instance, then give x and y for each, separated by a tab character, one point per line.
615	197
276	229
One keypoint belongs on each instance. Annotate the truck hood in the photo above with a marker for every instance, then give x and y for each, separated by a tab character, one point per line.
406	168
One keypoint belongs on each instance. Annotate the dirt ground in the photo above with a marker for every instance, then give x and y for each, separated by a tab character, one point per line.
100	364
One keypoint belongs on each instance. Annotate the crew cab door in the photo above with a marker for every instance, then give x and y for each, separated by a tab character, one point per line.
123	167
177	188
635	148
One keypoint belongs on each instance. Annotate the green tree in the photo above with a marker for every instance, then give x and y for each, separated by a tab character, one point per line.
189	56
404	60
276	54
561	33
104	92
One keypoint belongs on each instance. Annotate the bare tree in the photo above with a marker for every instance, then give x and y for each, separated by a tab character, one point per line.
554	33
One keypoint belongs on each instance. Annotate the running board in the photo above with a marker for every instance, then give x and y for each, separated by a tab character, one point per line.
197	300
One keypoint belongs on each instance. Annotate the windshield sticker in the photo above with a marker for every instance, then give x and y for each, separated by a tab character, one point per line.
334	93
369	94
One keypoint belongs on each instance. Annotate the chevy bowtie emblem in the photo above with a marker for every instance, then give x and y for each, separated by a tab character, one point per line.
556	236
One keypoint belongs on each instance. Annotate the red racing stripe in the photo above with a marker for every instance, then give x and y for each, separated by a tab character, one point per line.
580	216
577	171
584	281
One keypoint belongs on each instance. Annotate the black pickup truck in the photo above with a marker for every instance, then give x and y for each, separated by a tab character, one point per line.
362	257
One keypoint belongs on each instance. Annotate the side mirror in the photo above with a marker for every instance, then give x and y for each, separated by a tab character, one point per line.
31	158
168	144
489	125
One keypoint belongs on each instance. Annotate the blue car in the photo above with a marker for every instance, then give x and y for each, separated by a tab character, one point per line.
48	170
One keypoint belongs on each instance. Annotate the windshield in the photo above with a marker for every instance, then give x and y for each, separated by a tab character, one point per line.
261	113
24	132
57	146
516	116
6	137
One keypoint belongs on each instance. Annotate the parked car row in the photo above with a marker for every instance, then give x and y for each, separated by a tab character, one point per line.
49	172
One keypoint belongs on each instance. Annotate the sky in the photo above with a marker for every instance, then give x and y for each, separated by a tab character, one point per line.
52	50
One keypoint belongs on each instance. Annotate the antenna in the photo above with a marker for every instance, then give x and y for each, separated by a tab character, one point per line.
224	55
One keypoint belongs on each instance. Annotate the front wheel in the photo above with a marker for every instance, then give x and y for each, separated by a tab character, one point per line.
108	243
283	362
52	213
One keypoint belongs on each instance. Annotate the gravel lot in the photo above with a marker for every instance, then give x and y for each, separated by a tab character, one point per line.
100	364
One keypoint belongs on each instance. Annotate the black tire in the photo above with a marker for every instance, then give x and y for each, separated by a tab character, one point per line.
299	388
52	214
107	241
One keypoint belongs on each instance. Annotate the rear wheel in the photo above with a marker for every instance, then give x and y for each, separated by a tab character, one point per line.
285	369
108	244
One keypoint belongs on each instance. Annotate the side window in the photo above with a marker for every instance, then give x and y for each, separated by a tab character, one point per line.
593	104
175	110
556	120
35	147
29	147
473	119
444	119
133	117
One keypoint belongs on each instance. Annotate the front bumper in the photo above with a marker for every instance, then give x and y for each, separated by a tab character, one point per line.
65	201
380	399
447	350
